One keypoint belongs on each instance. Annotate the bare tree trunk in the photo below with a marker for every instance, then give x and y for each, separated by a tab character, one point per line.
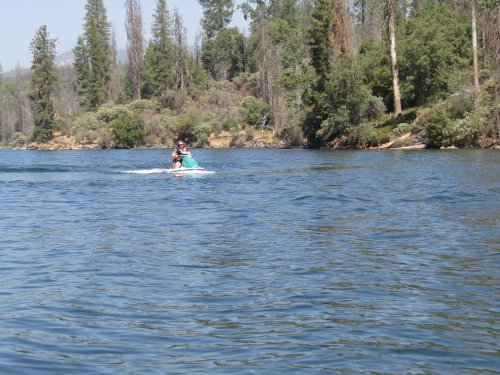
474	47
264	48
115	84
135	45
394	65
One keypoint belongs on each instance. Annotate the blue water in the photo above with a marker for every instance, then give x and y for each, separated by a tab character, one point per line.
282	262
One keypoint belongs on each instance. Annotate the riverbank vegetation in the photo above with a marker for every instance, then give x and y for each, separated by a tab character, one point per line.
309	73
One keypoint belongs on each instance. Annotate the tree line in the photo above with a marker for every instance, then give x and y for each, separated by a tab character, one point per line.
313	73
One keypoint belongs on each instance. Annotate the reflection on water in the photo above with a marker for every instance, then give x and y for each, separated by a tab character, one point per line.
281	262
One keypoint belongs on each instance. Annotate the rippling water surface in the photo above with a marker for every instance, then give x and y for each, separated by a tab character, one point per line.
282	262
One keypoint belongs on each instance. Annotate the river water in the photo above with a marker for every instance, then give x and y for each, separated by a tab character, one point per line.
281	262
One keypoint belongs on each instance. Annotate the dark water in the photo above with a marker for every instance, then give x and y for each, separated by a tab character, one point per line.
282	262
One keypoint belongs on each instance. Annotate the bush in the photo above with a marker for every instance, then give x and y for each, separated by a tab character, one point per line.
185	128
143	105
374	108
108	113
158	129
362	136
254	110
18	140
128	131
291	135
401	129
104	138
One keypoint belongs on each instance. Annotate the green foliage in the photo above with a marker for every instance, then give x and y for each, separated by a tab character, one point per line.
144	106
361	136
216	15
18	140
450	124
347	100
158	129
109	113
320	44
159	60
185	128
43	80
487	108
128	131
93	56
401	129
254	110
291	135
224	56
375	62
437	46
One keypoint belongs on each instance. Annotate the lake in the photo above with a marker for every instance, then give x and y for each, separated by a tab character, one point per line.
281	262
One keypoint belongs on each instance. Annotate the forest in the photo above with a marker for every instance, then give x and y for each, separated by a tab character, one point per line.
307	73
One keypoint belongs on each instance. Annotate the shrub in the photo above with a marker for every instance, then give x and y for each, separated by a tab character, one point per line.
362	136
401	129
464	133
170	99
158	129
254	110
185	128
374	108
291	135
143	105
436	127
108	113
18	140
128	131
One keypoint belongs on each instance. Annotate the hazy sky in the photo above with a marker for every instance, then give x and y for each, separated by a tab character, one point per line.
64	20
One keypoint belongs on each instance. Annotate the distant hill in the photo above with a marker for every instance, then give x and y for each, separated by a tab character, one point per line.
67	58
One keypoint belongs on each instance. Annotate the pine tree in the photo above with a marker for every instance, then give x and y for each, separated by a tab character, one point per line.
216	16
81	66
43	82
321	61
218	48
159	59
93	56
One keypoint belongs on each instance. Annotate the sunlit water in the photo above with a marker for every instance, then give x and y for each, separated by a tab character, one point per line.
281	262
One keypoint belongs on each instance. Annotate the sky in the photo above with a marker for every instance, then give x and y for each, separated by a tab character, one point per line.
64	20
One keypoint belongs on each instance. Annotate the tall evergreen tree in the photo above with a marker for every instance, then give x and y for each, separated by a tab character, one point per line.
43	81
216	15
93	63
222	47
159	54
81	66
321	62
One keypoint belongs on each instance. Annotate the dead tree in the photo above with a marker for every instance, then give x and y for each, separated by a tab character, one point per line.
135	45
394	63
